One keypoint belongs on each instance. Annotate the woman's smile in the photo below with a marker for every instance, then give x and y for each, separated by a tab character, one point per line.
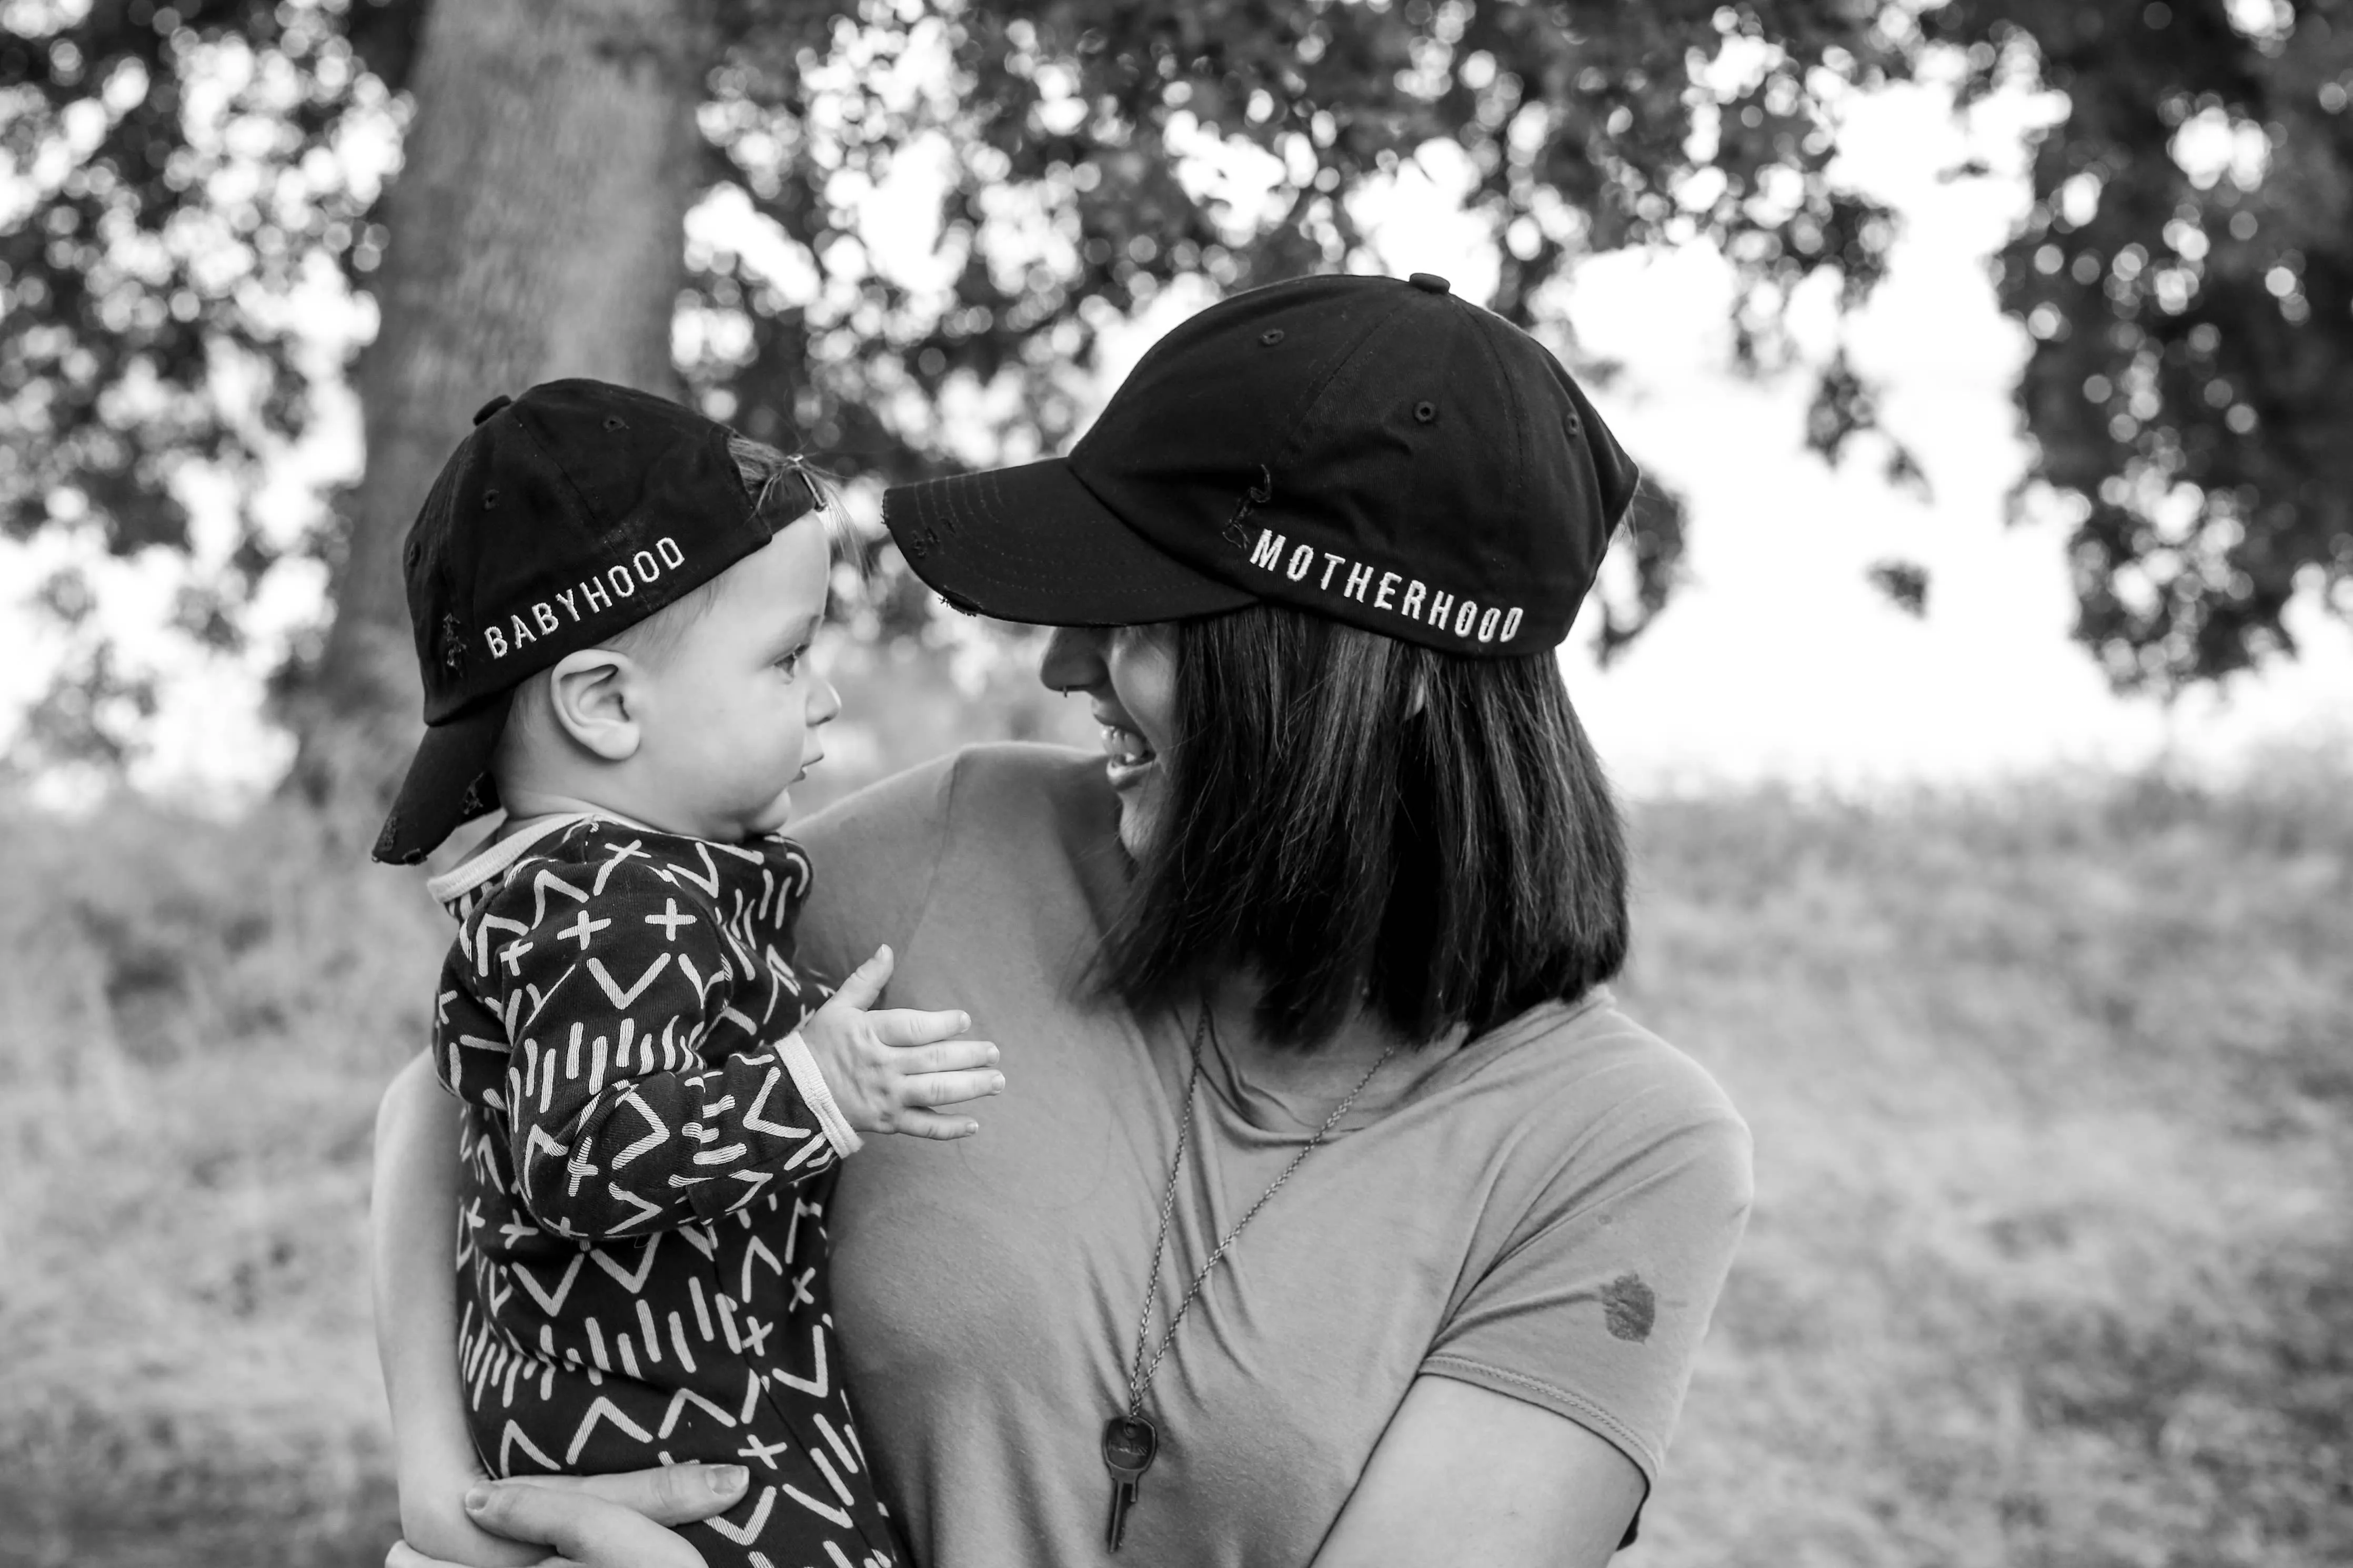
1128	675
1126	753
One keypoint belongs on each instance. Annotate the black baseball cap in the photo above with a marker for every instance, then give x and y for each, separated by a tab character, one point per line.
1371	450
567	514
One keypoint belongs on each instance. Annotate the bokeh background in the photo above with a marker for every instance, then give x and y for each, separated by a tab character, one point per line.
1977	662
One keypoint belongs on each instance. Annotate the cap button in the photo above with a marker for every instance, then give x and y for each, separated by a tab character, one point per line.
1429	282
492	407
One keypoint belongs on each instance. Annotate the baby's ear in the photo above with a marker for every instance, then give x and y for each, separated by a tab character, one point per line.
593	696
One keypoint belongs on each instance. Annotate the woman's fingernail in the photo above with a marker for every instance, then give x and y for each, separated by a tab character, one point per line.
997	1085
726	1481
992	1055
477	1498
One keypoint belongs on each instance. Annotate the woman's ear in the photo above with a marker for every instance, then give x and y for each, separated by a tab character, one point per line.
595	694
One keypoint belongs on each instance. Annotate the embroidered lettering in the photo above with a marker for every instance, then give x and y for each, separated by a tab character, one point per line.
648	567
521	633
1487	624
624	585
667	548
1381	594
1511	624
597	598
1464	617
1440	607
1331	564
1359	579
545	614
1268	551
498	641
1411	607
1302	561
563	597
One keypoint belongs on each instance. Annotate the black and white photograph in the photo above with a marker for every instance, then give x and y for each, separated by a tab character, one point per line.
1272	784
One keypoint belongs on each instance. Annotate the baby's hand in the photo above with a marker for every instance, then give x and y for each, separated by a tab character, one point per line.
886	1067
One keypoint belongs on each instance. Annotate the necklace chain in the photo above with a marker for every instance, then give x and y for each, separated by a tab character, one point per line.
1140	1377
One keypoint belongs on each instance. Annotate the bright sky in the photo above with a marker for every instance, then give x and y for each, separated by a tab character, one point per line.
1778	660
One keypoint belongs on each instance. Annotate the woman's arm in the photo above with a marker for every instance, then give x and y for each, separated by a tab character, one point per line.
606	1521
1466	1475
414	1224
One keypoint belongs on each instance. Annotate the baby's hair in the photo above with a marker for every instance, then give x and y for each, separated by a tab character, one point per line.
769	478
765	468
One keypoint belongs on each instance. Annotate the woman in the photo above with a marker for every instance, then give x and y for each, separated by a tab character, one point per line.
1334	1214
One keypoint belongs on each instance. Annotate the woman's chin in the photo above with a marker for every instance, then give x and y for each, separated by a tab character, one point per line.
1138	816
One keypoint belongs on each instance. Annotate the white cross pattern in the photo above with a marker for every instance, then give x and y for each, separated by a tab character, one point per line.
669	920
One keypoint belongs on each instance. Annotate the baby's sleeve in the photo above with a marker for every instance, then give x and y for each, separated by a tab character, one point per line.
619	1126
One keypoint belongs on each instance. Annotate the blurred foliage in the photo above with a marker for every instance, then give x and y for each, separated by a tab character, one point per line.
182	173
2186	274
185	171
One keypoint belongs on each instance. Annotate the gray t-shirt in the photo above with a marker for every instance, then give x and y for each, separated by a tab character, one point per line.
1548	1213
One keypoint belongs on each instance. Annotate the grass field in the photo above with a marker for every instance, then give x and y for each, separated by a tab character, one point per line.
2051	1262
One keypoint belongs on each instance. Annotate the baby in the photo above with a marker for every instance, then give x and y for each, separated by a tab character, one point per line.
612	599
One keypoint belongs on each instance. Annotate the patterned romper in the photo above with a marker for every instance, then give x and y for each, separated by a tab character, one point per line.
648	1150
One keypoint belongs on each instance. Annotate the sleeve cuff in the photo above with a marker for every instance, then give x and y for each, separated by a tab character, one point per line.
811	1083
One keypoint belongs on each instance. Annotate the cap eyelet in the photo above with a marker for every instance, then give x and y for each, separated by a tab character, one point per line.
490	499
1426	412
1270	337
416	548
1575	424
615	422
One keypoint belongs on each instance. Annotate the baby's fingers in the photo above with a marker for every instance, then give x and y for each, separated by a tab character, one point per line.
863	985
948	1055
931	1124
906	1026
949	1087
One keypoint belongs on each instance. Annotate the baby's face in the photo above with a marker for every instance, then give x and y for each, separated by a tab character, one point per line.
736	705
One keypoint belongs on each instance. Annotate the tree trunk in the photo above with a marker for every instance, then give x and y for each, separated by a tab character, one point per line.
535	233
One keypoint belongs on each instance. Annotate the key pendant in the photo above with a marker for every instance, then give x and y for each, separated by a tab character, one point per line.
1129	1443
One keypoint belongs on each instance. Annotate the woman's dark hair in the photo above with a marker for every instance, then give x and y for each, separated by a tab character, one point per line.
1349	816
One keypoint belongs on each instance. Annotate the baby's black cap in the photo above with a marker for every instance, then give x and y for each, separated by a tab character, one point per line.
567	514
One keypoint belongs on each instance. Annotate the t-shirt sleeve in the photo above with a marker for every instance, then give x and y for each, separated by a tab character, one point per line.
876	853
1597	1302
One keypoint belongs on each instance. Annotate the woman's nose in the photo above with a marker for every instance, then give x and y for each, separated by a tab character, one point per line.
1074	659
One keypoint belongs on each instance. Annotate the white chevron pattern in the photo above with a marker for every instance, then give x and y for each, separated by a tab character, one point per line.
606	1119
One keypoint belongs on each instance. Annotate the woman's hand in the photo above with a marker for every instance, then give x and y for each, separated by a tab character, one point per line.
595	1521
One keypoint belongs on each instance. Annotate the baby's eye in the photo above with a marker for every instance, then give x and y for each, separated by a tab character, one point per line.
791	663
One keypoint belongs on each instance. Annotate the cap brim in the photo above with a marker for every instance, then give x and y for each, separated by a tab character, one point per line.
449	782
1033	545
